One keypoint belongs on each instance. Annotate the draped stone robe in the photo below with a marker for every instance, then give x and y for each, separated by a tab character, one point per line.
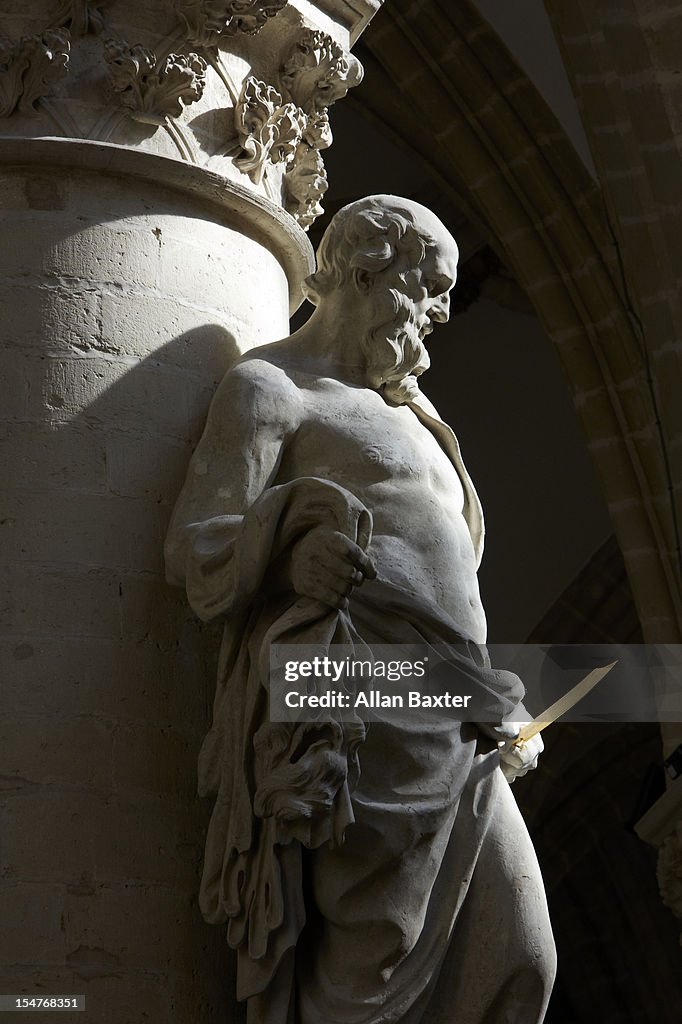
367	874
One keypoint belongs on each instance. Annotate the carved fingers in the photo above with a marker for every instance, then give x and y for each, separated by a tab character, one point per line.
516	760
326	565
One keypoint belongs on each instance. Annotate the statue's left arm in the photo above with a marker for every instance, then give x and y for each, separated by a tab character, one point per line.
253	414
220	550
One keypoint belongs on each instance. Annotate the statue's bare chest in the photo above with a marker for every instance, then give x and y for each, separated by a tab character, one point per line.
353	436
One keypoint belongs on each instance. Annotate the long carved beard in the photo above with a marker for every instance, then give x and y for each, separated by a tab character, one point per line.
395	355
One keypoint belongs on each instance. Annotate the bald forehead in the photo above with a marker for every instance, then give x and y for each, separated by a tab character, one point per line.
443	241
442	253
428	223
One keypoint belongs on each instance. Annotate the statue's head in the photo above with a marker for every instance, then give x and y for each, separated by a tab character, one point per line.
401	259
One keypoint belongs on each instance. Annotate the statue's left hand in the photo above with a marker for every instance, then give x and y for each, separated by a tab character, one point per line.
325	565
518	759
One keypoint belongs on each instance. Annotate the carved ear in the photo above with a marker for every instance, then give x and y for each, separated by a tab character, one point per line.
311	289
363	280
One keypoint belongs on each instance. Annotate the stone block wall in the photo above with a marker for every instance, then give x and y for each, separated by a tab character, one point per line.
138	259
124	306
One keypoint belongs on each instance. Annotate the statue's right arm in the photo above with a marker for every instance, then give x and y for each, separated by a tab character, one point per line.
256	409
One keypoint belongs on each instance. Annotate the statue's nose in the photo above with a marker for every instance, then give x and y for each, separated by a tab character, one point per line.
440	309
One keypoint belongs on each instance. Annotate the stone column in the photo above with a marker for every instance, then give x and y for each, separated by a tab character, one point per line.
159	164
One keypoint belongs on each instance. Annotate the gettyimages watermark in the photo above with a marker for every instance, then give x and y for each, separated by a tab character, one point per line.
469	682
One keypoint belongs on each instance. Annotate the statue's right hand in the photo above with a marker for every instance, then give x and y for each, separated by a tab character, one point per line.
326	565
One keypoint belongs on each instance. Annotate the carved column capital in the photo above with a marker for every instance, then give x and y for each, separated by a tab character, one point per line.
29	67
154	90
208	21
81	16
239	87
282	128
318	71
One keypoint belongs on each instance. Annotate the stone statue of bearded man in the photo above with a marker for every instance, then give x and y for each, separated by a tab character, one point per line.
366	875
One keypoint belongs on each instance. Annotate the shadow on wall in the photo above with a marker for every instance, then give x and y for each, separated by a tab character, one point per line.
115	331
137	670
151	419
143	427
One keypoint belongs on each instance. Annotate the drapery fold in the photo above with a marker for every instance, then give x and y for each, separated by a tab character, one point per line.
282	787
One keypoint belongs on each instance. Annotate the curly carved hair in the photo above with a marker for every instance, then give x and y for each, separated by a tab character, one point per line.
369	236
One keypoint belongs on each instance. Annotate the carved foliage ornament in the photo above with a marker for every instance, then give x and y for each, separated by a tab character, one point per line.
306	184
81	16
319	71
291	126
29	68
208	20
269	127
154	90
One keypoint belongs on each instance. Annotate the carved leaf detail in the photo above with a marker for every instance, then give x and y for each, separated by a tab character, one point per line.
128	67
152	90
318	133
208	20
319	71
204	20
270	129
306	184
250	15
30	67
82	16
291	127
